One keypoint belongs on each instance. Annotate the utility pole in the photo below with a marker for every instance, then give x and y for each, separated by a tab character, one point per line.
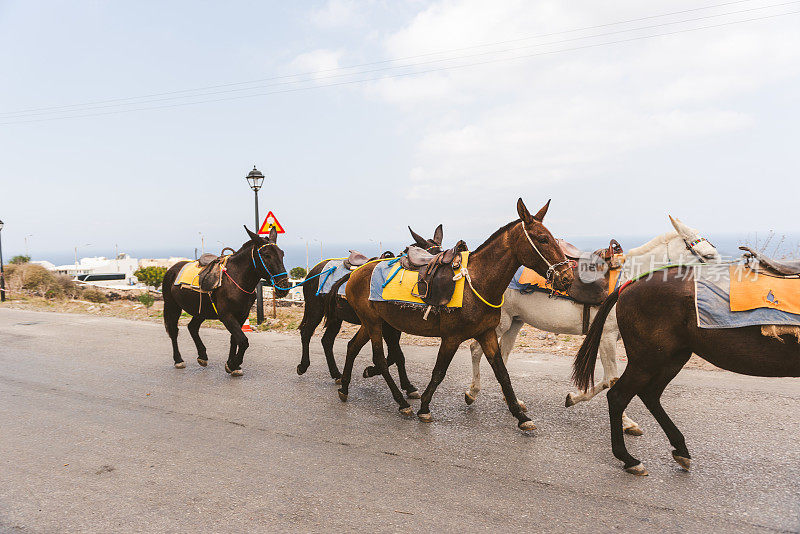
2	272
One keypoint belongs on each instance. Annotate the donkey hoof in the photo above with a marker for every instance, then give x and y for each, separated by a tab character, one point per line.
637	470
634	430
180	365
469	399
237	372
301	370
413	394
522	406
365	374
342	395
227	369
684	462
569	402
202	362
425	417
338	381
407	411
527	425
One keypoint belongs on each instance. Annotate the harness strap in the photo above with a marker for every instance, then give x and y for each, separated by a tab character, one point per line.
465	273
551	268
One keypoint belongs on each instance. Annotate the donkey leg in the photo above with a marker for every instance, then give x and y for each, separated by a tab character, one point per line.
232	351
651	397
332	328
491	348
234	364
632	381
471	394
194	331
396	356
447	350
353	348
506	340
376	336
312	316
172	313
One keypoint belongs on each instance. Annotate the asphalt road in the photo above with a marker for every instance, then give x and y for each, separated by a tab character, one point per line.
99	433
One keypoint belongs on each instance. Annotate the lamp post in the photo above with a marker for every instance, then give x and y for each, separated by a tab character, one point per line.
255	179
2	272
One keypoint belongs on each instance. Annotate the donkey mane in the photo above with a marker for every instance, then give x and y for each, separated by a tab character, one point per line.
494	235
653	243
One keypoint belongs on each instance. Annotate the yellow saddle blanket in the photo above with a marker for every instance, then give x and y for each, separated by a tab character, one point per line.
189	276
750	290
403	286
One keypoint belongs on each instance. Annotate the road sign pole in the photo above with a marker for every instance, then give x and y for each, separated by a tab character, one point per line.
259	293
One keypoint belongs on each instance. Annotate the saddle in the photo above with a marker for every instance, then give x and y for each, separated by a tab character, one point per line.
210	277
355	260
771	266
591	272
435	284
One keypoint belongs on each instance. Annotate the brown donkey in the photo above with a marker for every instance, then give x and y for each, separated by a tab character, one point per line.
658	322
491	267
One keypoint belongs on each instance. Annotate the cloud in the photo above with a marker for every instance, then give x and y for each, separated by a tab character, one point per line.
551	117
320	62
336	14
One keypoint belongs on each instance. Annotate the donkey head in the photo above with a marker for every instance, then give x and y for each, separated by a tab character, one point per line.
537	249
434	245
268	261
694	245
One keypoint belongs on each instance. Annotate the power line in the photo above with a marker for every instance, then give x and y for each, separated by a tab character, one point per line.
399	75
231	84
396	67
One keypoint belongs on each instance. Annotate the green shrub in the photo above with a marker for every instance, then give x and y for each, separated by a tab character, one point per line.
151	276
146	299
298	272
18	260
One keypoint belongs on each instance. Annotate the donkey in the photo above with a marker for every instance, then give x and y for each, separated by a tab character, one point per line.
314	311
658	323
524	241
231	302
562	316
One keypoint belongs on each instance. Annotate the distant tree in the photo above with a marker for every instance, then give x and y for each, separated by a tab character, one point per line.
20	259
146	299
298	272
151	276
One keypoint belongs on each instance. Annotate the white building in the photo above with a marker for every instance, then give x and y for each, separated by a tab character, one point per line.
100	265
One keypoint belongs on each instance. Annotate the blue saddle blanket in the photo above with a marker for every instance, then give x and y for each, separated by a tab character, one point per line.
712	299
334	270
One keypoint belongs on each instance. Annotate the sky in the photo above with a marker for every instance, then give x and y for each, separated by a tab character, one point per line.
370	116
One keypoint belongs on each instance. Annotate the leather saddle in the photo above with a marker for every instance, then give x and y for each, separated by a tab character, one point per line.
210	278
772	266
591	271
355	260
435	285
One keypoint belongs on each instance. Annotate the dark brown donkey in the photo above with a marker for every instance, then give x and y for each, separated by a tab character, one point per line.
658	323
522	242
314	311
230	302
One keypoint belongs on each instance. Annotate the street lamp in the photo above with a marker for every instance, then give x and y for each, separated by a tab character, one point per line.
255	179
2	272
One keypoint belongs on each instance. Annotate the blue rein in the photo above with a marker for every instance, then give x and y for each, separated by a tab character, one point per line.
272	277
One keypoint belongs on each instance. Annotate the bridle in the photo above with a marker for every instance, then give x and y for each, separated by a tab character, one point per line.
272	277
551	268
691	244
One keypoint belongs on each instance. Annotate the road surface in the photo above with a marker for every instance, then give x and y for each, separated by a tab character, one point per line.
99	433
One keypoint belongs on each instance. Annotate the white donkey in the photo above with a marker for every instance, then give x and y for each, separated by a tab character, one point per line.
562	316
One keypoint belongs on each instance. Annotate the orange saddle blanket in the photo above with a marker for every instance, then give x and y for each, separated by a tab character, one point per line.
751	290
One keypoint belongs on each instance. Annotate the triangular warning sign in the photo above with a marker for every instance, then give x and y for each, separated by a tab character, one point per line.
269	222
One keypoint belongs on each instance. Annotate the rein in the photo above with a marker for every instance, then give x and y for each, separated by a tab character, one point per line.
551	268
465	273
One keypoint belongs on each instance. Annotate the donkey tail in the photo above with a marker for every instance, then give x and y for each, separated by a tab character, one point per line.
583	367
330	299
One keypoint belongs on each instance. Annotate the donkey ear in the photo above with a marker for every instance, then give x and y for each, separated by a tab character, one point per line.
681	228
542	212
253	236
273	235
438	234
418	238
522	211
